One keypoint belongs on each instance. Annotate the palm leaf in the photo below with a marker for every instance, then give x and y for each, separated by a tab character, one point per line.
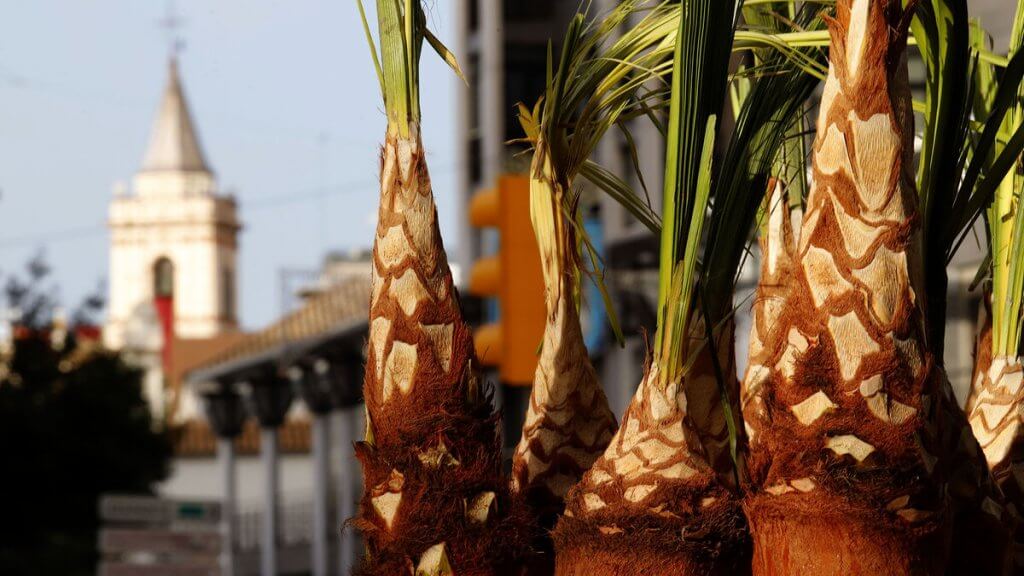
995	181
596	82
941	29
621	193
402	28
768	123
699	80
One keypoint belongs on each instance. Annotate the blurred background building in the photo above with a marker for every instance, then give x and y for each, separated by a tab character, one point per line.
276	407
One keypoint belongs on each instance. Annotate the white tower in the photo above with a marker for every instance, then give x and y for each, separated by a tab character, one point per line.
174	239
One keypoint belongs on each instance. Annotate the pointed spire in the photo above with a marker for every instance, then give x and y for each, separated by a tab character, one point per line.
173	143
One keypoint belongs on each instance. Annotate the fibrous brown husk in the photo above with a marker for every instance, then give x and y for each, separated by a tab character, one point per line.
849	401
432	458
809	534
652	504
992	528
568	424
700	540
777	247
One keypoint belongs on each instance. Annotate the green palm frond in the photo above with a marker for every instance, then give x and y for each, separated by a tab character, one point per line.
700	76
759	151
402	28
996	167
710	206
767	141
941	31
994	146
599	82
781	17
621	193
803	48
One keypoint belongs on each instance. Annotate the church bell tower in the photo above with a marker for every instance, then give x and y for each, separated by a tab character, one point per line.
173	238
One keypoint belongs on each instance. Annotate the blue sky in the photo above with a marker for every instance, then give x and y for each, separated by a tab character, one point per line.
286	103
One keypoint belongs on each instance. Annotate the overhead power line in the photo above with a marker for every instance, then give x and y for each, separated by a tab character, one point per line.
367	185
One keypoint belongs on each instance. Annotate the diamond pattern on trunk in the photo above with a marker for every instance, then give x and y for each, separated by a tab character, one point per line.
852	342
814	407
399	369
408	291
850	444
823	277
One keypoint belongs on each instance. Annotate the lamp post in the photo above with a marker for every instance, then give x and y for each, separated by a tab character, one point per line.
315	386
326	383
348	400
226	415
271	397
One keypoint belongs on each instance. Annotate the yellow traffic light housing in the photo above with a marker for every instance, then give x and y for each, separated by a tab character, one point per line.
514	277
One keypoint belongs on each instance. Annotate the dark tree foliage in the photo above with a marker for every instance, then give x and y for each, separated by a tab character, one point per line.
73	425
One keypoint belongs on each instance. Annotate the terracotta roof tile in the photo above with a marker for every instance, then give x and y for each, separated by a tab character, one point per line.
195	438
342	306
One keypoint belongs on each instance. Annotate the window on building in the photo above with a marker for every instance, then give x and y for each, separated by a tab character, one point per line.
163	278
227	294
522	83
474	15
529	10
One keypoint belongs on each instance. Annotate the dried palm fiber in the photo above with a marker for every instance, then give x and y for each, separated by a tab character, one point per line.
596	84
845	452
432	460
980	522
435	500
776	244
652	504
568	422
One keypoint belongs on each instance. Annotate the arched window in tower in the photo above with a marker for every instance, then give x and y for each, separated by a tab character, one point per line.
163	301
227	293
163	278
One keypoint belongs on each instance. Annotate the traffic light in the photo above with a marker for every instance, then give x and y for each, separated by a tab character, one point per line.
513	276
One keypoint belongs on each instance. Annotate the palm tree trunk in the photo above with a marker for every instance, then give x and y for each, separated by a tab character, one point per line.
995	409
435	498
652	504
846	450
568	423
995	412
776	243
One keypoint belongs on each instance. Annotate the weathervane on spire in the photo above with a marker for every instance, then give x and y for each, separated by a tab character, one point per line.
172	24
